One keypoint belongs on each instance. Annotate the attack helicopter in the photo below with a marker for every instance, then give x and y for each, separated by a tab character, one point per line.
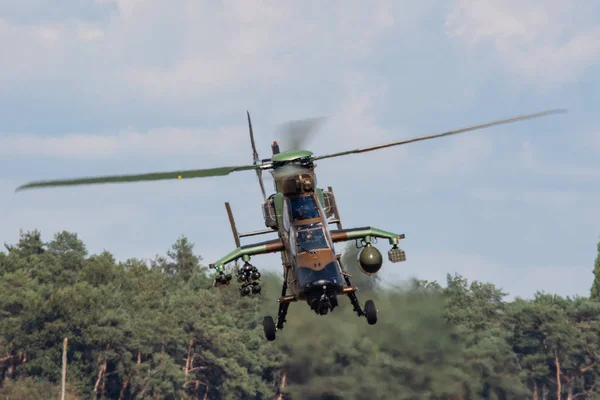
300	213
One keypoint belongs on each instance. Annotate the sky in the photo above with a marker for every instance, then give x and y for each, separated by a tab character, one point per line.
133	86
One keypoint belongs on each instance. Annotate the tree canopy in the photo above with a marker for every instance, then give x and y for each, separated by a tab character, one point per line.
158	329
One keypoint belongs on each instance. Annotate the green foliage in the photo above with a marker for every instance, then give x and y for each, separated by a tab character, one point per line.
595	291
410	354
32	389
158	329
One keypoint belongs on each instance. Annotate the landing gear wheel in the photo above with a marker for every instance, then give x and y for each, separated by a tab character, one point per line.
269	327
370	312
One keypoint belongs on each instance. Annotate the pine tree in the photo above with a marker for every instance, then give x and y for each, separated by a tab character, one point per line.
184	261
595	292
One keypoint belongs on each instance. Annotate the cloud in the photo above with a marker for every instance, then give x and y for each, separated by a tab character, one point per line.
176	50
531	38
555	200
590	140
251	43
159	141
134	83
528	158
355	118
351	123
596	141
36	11
461	155
129	219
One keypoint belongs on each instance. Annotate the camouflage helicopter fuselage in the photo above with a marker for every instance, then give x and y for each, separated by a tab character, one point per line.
301	213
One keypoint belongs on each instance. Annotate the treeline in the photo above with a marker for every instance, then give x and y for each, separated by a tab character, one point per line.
158	330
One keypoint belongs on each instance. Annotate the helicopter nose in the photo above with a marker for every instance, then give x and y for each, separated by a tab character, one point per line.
319	284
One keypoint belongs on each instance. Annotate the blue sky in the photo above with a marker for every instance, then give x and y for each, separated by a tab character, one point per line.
122	86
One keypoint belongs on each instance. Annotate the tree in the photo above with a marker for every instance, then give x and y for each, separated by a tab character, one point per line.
69	254
164	332
185	262
30	243
477	311
595	291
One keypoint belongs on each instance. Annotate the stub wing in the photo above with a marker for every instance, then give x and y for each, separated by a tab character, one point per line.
342	235
395	255
244	253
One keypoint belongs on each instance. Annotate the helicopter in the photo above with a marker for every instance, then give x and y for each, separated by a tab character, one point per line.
299	213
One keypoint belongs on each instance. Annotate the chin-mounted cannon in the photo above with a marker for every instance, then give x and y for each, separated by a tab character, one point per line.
249	276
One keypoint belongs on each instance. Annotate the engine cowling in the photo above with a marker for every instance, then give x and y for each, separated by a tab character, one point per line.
370	260
269	213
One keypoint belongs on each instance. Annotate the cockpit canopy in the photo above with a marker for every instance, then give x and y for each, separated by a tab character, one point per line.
304	207
310	239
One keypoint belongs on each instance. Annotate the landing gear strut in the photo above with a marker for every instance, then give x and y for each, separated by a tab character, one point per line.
268	325
370	312
283	308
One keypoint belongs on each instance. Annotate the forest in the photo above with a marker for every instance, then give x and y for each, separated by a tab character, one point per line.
157	329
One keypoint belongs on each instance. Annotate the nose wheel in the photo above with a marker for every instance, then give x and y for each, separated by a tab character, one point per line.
269	328
370	312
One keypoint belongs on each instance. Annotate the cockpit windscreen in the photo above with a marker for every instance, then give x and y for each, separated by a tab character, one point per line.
304	208
311	239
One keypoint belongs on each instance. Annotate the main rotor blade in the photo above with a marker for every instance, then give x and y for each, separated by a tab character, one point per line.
437	135
254	152
155	176
255	157
294	134
261	183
